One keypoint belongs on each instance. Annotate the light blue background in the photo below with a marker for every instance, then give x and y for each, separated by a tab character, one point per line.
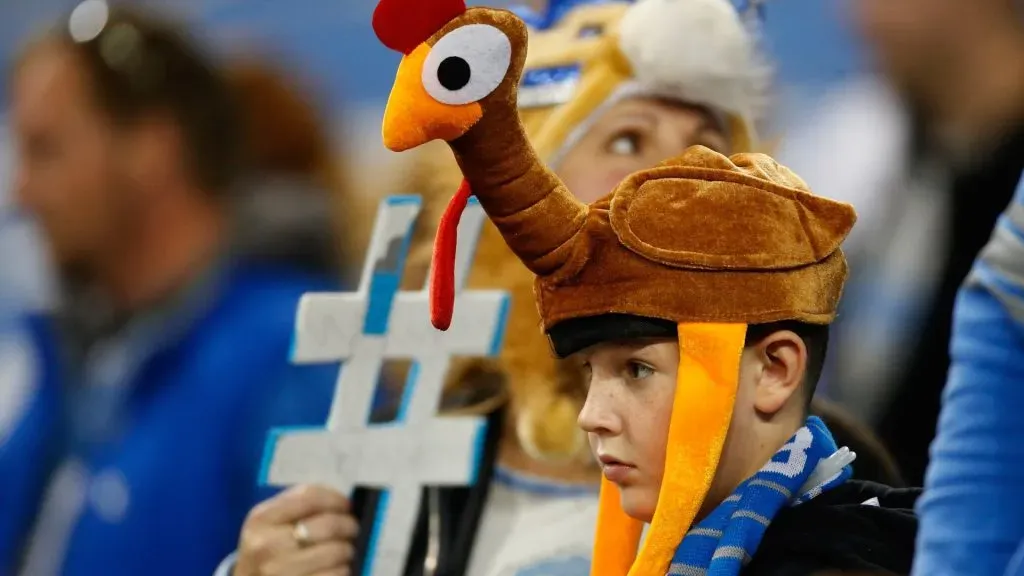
333	42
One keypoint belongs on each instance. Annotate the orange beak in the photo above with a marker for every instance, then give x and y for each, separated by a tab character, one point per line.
413	117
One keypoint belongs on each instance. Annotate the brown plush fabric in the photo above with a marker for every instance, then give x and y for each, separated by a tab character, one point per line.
703	238
540	385
546	393
709	242
700	238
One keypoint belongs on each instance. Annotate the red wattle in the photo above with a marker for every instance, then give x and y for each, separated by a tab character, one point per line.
442	276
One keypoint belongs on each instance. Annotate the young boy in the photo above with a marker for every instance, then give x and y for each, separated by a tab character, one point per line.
696	300
773	457
702	349
695	297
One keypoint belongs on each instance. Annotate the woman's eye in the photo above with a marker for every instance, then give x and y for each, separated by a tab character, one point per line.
626	144
639	371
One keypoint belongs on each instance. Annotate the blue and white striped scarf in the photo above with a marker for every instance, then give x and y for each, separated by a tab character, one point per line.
726	540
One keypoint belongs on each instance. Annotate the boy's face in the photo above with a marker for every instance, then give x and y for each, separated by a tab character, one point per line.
627	413
629	407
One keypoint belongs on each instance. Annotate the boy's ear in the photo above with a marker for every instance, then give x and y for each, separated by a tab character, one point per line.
783	358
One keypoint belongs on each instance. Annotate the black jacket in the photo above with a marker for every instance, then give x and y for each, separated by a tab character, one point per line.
836	531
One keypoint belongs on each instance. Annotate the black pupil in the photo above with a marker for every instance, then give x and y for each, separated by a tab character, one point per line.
453	73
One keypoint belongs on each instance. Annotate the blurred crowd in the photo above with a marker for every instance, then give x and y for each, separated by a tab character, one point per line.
168	206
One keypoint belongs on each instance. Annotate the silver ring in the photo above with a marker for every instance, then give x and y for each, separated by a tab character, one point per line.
301	534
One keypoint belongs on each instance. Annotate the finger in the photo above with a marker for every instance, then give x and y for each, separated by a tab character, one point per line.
327	527
267	542
317	558
297	503
338	572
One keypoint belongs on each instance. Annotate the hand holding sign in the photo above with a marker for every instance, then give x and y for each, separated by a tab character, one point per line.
304	531
363	329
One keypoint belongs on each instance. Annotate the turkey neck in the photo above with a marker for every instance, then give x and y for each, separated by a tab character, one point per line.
508	178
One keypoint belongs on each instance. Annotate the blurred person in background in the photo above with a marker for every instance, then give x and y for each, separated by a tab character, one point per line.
142	457
973	511
597	118
293	207
26	293
957	71
26	282
25	296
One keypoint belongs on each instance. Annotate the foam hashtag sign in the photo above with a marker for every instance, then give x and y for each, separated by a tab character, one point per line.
362	329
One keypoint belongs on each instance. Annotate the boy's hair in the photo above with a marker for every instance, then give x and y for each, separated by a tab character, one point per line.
573	335
815	337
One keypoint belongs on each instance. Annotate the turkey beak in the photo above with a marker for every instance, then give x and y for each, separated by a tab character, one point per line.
413	117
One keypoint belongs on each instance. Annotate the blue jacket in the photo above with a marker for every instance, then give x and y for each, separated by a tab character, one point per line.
167	490
972	511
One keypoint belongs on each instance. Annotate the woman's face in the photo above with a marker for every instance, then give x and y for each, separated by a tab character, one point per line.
635	134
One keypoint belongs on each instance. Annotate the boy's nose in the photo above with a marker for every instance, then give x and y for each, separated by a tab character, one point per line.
597	417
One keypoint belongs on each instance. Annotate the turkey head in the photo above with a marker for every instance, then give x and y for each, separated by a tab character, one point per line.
458	82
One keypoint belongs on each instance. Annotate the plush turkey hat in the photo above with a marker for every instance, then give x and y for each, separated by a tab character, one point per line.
703	242
584	57
700	238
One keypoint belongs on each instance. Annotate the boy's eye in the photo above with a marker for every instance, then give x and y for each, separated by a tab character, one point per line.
625	144
639	371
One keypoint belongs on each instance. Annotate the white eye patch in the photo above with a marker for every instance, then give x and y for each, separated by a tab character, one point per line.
467	64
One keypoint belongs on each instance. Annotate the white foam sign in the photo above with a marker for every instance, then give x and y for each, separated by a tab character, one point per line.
362	329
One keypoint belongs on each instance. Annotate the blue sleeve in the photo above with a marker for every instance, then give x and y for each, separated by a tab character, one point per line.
972	510
26	427
266	392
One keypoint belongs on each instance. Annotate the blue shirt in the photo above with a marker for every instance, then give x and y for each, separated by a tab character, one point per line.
972	510
161	482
